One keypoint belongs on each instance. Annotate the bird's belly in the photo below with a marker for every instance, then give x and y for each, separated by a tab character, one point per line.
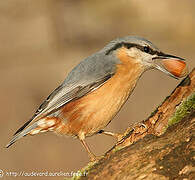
94	111
90	114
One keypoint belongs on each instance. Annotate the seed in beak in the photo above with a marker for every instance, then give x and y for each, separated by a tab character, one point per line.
176	67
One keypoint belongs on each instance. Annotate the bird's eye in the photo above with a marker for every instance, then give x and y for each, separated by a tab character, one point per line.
146	49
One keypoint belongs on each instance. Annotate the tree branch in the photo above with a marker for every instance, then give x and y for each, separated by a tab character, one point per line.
161	148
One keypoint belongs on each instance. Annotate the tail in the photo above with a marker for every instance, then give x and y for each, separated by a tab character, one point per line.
21	134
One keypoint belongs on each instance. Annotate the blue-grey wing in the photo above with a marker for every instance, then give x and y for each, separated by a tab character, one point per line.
60	97
89	75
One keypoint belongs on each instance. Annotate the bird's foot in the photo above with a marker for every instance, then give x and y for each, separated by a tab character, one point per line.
115	135
139	128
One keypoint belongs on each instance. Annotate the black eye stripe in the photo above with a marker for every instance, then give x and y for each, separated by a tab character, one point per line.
116	46
145	49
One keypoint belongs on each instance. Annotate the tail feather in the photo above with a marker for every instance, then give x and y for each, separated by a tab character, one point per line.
21	134
21	128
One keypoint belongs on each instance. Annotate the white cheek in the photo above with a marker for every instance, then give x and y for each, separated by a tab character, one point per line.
147	60
134	53
142	57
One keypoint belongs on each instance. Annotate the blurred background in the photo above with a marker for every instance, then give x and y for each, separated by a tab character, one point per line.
41	41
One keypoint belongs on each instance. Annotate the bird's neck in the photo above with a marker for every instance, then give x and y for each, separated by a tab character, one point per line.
128	71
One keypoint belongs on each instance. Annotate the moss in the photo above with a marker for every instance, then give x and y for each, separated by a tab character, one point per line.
117	148
184	108
83	172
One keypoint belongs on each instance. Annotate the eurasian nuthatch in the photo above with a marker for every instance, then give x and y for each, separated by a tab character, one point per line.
95	90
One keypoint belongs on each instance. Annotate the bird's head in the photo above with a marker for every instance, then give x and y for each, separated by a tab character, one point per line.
148	55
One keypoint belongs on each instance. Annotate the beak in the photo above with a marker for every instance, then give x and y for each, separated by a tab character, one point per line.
171	65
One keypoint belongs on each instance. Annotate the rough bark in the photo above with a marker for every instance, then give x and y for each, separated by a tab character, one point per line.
161	148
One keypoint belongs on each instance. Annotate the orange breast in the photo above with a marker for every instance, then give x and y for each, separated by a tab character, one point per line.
94	111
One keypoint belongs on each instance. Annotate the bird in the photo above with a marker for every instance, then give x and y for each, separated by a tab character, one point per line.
96	89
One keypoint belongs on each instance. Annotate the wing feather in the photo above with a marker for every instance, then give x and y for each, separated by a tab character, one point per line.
57	99
87	76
